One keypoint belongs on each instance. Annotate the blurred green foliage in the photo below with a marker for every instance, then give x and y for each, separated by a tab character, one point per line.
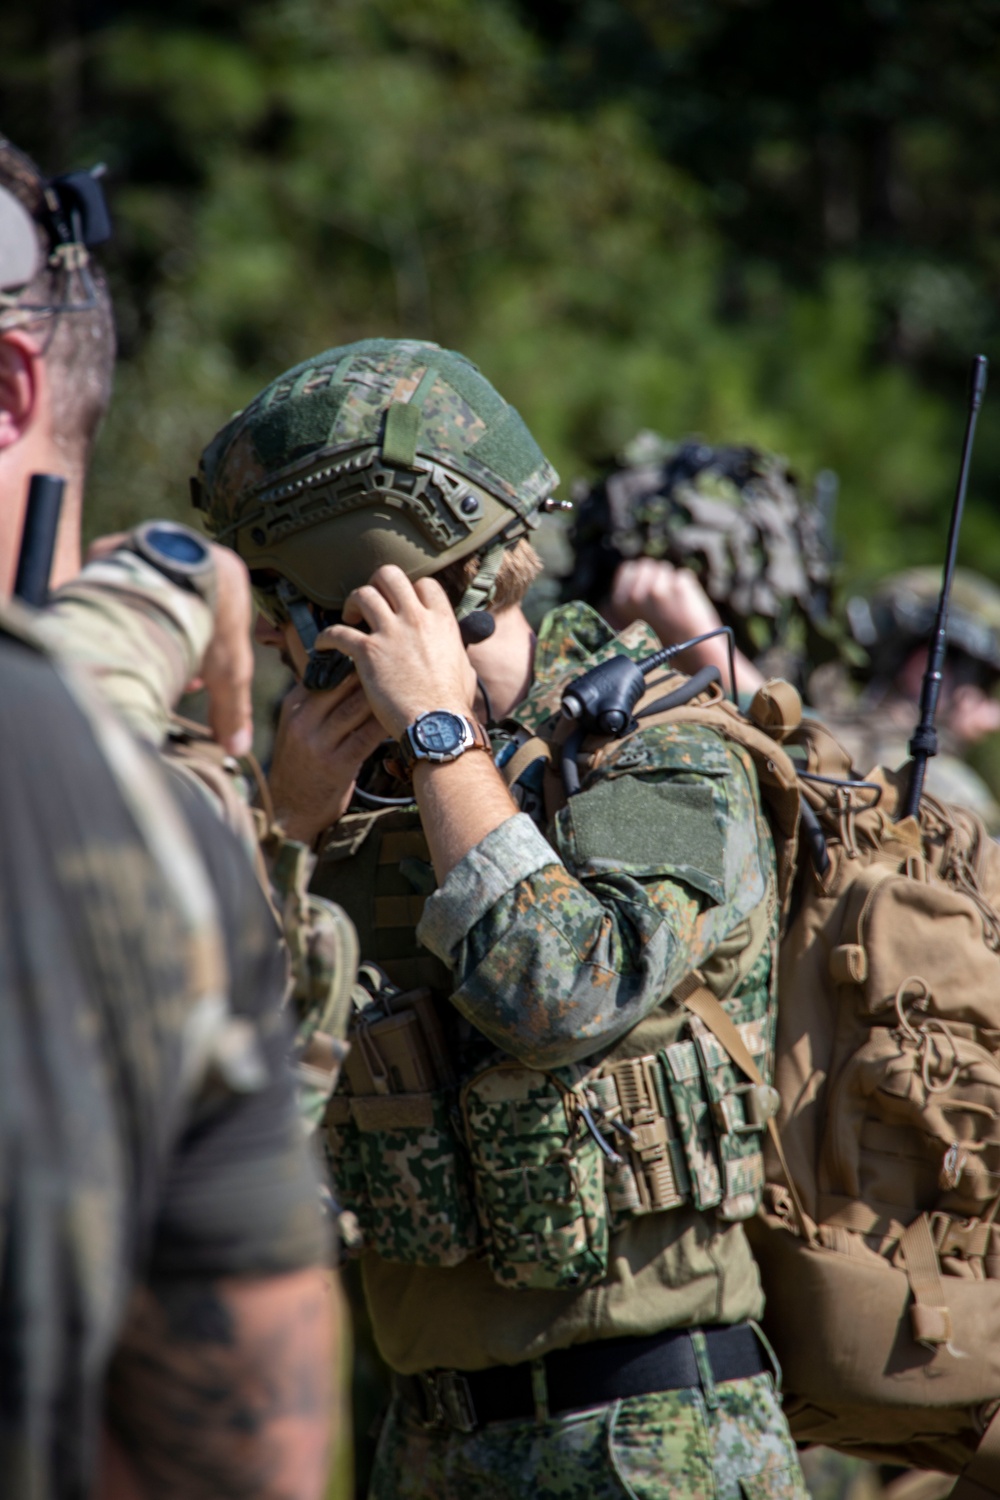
695	215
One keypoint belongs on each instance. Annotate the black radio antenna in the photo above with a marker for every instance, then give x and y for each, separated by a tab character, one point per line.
38	539
924	743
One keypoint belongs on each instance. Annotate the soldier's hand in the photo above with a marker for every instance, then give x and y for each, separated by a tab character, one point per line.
227	666
226	669
669	599
322	742
674	603
413	659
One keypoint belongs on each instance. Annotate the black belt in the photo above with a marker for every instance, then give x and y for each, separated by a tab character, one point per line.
584	1375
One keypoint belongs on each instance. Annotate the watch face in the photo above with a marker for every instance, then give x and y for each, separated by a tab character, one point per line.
439	733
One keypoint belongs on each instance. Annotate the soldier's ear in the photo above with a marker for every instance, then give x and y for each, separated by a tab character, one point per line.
22	385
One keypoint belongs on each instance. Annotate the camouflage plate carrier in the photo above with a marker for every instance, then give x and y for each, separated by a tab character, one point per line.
443	1147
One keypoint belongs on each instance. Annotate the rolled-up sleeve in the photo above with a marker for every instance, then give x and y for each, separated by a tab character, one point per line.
560	948
139	636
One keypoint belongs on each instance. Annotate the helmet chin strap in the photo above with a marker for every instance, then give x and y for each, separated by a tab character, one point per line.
474	620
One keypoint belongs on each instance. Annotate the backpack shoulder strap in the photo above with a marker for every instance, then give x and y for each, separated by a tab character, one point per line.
701	1002
980	1479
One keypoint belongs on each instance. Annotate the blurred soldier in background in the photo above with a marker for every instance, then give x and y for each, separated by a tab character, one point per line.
894	626
160	1225
688	537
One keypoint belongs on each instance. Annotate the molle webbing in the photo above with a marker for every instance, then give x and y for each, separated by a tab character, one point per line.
378	868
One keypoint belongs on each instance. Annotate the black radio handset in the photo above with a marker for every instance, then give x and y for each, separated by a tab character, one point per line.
324	669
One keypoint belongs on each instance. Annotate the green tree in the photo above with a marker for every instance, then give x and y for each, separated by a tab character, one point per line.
614	207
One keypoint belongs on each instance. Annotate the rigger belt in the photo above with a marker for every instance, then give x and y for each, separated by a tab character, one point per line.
582	1376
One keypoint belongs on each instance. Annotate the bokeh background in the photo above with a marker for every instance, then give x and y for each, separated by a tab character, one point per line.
759	220
754	219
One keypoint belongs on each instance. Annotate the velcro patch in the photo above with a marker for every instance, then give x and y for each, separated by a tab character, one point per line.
647	828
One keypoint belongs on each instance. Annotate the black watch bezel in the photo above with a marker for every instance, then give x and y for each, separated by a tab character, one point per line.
425	751
191	574
413	750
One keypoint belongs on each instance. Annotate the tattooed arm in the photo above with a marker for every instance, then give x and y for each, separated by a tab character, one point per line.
222	1391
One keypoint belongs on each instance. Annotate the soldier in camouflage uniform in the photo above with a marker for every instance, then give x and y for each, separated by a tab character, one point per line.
161	1237
546	1157
142	630
687	537
894	626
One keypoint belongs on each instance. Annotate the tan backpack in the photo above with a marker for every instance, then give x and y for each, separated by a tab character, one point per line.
878	1248
879	1252
878	1245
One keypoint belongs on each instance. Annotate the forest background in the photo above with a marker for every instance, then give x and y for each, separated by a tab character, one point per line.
756	220
762	221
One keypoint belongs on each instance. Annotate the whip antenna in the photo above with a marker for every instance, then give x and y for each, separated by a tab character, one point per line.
924	742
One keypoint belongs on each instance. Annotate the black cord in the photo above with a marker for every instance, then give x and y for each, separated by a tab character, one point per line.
487	703
666	652
568	767
683	694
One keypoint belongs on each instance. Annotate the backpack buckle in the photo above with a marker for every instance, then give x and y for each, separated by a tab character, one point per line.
447	1402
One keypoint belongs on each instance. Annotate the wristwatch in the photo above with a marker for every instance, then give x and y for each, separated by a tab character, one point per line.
440	736
179	553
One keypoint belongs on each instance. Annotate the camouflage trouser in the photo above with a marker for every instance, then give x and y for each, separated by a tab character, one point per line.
728	1443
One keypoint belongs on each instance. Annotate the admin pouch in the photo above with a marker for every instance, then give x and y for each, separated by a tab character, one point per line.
539	1183
394	1135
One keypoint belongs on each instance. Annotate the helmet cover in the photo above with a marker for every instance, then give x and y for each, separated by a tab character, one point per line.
386	450
735	516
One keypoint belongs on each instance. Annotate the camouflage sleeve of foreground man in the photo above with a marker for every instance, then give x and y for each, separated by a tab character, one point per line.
135	633
141	638
560	948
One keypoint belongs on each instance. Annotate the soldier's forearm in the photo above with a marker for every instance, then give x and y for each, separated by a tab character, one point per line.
136	633
460	802
224	1389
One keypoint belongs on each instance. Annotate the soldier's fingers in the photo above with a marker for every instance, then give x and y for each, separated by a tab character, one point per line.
432	595
227	667
372	605
344	638
348	716
394	586
230	711
362	741
311	710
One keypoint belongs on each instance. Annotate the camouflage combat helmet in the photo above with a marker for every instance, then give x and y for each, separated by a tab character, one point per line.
735	516
900	615
387	450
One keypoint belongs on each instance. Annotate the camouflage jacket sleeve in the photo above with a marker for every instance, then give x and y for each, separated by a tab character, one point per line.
141	638
136	633
560	947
